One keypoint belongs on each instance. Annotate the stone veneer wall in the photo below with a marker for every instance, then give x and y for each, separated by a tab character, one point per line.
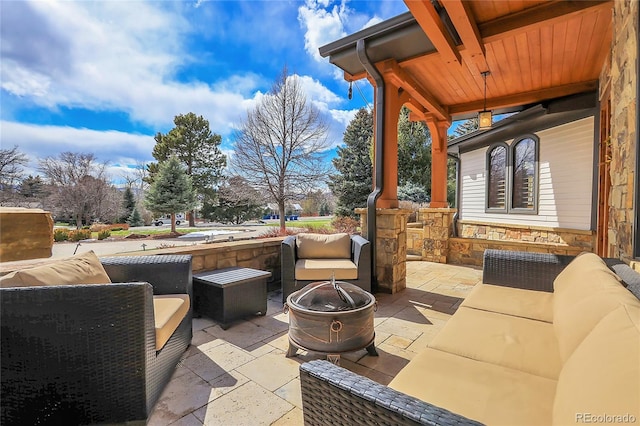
263	253
470	251
623	74
474	237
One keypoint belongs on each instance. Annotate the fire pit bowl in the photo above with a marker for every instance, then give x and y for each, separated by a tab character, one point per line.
331	317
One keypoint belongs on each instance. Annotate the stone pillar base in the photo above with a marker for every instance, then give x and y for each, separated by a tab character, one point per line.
437	229
390	249
26	234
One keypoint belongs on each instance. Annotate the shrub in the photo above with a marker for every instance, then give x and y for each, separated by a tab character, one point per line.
345	224
80	234
275	232
60	235
105	233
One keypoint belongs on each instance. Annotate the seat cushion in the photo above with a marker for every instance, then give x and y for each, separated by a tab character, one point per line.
322	269
169	310
80	269
323	246
489	393
602	376
584	293
535	305
514	342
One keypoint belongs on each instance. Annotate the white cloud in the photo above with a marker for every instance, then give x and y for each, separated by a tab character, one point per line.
322	26
38	142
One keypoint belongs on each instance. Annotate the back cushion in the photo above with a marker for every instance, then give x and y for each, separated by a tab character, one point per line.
81	269
602	376
323	246
584	292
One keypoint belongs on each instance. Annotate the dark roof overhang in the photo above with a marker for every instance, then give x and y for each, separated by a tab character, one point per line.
533	119
399	38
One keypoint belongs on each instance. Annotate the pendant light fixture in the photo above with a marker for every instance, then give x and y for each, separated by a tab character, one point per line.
485	118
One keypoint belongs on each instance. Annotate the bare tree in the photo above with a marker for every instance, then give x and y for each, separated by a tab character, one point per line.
80	187
12	162
280	143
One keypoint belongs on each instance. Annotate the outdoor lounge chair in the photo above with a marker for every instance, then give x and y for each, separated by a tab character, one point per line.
89	353
307	258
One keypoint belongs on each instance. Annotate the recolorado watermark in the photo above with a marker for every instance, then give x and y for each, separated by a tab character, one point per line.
605	418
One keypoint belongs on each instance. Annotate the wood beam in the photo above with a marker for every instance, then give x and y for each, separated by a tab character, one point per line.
543	15
430	22
465	24
524	98
399	77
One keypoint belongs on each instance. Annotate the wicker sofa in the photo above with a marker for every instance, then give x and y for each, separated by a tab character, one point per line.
544	340
309	257
93	353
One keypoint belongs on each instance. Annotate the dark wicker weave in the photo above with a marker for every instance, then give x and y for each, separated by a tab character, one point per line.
230	293
360	255
332	395
84	354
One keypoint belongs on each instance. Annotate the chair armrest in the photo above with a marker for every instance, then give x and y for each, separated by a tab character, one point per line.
288	259
76	352
360	249
170	274
519	269
334	395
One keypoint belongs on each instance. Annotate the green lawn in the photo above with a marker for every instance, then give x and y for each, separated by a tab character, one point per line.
304	223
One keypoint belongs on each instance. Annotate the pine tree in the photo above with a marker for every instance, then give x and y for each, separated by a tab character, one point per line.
352	184
171	191
135	219
414	153
129	203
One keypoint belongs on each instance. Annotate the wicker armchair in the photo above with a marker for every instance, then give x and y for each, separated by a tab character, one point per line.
360	256
85	354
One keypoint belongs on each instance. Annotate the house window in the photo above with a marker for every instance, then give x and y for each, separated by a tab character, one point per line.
497	178
512	185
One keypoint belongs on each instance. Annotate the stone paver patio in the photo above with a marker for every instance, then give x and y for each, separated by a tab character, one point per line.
241	376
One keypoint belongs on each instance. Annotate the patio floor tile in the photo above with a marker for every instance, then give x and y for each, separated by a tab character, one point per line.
241	376
250	404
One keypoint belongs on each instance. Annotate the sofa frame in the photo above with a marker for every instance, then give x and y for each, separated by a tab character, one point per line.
86	354
334	395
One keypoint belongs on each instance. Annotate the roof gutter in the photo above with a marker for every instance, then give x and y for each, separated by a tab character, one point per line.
361	49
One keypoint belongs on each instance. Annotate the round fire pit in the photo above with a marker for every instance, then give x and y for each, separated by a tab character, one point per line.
331	317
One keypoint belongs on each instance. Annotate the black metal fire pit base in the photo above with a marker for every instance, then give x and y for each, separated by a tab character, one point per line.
333	357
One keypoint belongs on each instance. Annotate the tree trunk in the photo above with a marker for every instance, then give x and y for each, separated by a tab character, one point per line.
173	223
192	218
282	217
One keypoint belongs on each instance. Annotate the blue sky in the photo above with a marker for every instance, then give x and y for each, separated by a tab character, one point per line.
105	76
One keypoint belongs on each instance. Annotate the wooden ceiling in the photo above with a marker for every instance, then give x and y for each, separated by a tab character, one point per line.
534	50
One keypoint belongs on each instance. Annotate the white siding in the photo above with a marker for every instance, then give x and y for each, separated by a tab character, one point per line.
565	180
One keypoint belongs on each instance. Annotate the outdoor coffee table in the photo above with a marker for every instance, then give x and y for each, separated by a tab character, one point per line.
231	293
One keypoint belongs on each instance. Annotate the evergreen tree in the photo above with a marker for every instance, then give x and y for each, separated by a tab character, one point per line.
414	153
32	187
237	202
465	127
197	148
129	203
171	191
352	184
135	219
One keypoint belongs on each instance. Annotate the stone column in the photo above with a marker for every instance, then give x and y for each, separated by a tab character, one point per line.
438	228
391	247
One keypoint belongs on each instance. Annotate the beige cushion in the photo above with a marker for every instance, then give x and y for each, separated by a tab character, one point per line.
602	376
323	246
584	293
168	310
518	343
489	393
81	269
535	305
322	269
